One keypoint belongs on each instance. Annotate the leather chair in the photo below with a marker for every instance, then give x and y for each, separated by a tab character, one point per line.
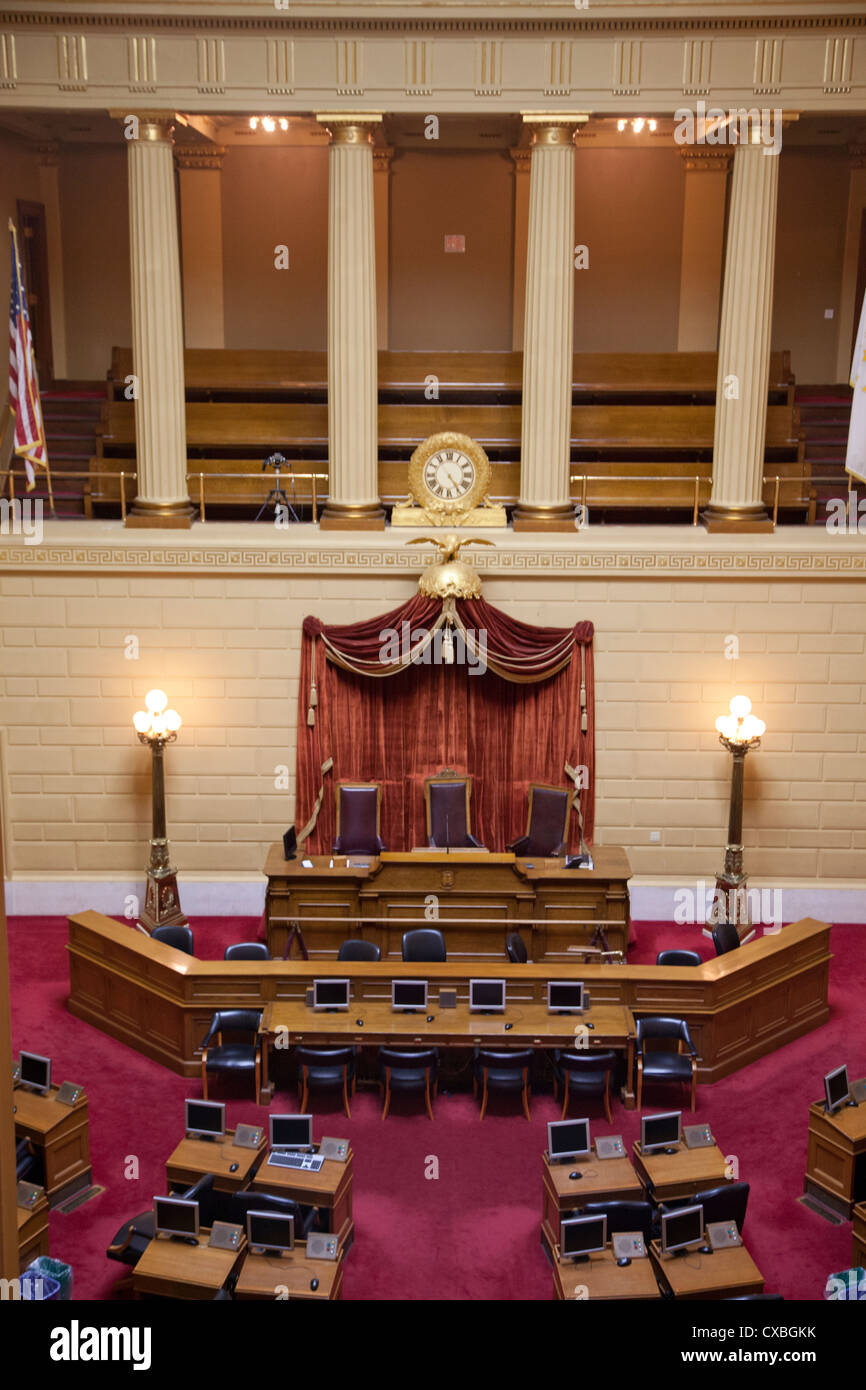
583	1074
727	1202
623	1216
725	937
446	801
678	958
658	1065
178	937
359	808
515	948
405	1069
326	1067
755	1298
424	945
247	950
235	1207
547	823
234	1058
502	1071
134	1236
26	1161
359	950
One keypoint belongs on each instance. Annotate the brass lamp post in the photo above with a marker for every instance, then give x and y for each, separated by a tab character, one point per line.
738	732
156	726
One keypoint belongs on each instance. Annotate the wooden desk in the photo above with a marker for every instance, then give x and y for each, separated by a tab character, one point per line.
836	1157
194	1157
330	1190
604	1179
32	1232
858	1252
680	1174
61	1133
172	1269
601	1277
531	1024
289	1277
366	893
724	1274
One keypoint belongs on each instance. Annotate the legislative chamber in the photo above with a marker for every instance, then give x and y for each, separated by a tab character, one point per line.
432	655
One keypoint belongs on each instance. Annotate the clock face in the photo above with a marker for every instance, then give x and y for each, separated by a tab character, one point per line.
449	474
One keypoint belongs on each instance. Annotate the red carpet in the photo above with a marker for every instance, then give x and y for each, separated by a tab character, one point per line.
472	1233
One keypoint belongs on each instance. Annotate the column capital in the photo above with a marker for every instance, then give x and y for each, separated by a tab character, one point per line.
701	159
199	156
521	158
856	156
382	156
350	127
154	127
49	154
554	127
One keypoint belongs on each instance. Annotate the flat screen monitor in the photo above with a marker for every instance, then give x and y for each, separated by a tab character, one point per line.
565	997
582	1235
268	1230
409	996
836	1088
205	1119
660	1131
567	1139
291	1131
682	1228
487	996
330	994
175	1216
35	1071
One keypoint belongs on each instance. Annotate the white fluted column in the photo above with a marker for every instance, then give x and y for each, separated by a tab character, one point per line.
736	502
548	338
157	329
353	430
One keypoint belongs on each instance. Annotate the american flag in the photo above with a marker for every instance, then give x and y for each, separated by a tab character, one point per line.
23	382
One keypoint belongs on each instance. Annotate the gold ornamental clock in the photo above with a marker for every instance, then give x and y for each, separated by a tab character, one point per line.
449	479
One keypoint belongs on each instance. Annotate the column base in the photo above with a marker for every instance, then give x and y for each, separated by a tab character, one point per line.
733	519
173	516
559	517
352	516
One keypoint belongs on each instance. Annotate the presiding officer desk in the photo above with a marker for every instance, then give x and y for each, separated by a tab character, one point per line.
739	1006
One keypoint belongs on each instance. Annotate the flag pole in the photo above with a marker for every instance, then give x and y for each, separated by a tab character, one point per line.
17	275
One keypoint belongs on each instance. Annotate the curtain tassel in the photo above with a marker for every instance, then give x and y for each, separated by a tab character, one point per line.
448	647
314	698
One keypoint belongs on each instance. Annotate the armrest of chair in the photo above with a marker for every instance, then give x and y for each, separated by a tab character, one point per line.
518	846
472	840
211	1032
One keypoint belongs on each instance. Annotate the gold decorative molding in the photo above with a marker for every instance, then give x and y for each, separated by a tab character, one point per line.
707	161
199	156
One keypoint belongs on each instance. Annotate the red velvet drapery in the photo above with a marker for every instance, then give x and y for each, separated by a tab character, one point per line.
517	722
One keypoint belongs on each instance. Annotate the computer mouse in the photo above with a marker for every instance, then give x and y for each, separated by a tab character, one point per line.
359	1022
430	1018
590	1025
233	1167
314	1284
575	1175
624	1261
508	1027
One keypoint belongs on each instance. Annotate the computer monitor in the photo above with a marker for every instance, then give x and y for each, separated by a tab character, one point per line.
581	1236
487	996
660	1131
175	1216
35	1071
409	996
567	1139
836	1088
682	1228
565	997
330	994
291	1131
205	1119
269	1231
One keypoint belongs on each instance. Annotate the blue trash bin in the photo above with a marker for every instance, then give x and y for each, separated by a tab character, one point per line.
38	1288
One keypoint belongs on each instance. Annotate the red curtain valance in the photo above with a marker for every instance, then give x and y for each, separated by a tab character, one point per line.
519	708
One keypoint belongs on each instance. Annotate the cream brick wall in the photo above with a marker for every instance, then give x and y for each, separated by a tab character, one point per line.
226	649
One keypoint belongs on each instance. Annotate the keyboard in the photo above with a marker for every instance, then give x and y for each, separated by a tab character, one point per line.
306	1163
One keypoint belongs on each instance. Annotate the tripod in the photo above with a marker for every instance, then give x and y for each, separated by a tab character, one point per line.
276	495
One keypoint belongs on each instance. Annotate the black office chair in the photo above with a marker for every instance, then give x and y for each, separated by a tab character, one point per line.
755	1298
236	1206
134	1236
26	1161
359	950
178	937
583	1074
623	1216
247	950
502	1071
405	1069
678	958
725	937
515	948
326	1067
657	1065
424	944
235	1058
727	1202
